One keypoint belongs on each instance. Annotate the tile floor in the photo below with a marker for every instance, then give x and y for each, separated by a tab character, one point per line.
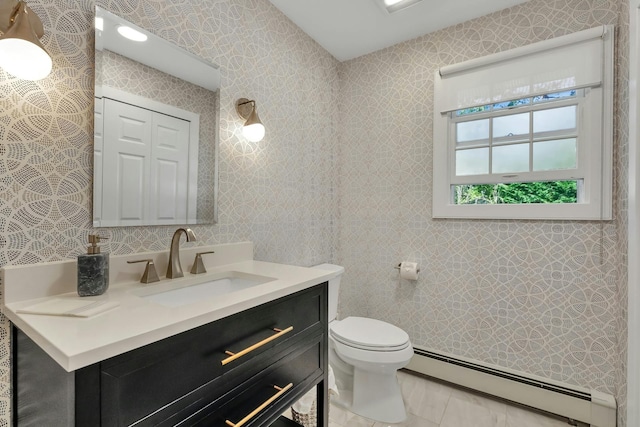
435	404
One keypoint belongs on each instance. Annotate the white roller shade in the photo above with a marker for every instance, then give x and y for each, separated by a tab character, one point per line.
563	63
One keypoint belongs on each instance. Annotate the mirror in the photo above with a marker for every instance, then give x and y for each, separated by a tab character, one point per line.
156	129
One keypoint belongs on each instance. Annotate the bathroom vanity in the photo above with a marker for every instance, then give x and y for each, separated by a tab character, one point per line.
240	358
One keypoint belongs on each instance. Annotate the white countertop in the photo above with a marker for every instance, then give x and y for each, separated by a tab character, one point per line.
78	342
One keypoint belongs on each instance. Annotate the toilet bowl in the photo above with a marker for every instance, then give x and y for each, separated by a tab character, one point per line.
365	355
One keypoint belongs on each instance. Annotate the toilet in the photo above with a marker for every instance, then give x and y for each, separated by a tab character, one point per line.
365	355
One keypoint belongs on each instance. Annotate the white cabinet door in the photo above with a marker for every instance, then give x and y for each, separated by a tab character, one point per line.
126	164
145	172
169	169
98	127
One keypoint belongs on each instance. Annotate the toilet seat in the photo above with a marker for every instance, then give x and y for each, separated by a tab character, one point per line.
369	334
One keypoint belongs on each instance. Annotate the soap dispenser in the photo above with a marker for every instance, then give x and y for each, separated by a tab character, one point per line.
93	269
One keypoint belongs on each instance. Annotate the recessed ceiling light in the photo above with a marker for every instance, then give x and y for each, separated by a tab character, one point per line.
131	34
392	6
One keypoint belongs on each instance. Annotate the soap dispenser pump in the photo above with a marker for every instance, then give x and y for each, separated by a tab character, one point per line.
93	269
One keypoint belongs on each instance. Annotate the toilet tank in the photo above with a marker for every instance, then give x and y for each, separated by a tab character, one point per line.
334	287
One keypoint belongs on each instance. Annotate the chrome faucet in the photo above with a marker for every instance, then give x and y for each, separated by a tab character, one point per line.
174	269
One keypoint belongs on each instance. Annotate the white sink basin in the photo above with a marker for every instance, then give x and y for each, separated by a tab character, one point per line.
179	294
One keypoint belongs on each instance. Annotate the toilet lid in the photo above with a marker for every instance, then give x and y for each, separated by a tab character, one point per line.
369	334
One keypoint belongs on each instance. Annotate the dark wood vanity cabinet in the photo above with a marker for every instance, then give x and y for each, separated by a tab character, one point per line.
201	377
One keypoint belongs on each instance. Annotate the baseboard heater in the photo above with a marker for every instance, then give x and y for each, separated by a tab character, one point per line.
587	406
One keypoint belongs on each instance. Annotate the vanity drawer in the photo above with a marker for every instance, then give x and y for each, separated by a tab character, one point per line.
141	382
267	395
302	367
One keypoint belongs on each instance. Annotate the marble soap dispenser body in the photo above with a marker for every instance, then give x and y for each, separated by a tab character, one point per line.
93	270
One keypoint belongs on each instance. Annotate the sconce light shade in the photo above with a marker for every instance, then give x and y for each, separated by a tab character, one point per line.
21	53
253	128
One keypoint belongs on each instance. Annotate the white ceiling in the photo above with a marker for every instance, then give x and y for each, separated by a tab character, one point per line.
351	28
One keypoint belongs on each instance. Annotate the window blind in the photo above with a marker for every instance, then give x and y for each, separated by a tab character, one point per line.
563	63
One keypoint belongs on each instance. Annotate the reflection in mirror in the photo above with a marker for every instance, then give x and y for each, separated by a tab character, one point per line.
156	130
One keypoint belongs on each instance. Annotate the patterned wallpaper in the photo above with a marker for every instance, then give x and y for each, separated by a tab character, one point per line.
543	297
278	193
622	198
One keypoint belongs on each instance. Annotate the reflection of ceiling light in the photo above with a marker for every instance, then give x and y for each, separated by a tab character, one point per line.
395	5
99	23
131	34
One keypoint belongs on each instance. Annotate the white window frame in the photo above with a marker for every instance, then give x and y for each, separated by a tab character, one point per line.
497	178
595	146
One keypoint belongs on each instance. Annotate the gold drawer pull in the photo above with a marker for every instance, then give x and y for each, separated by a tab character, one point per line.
281	391
234	356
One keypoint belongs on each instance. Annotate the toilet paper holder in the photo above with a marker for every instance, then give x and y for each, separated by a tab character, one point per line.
397	267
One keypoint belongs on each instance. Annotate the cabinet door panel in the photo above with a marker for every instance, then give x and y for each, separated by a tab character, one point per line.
169	169
98	147
126	163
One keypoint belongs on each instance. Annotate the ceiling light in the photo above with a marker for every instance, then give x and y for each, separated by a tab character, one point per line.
392	6
132	34
21	53
253	128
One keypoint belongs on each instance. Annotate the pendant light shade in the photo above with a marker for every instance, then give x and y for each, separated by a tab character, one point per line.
253	128
21	53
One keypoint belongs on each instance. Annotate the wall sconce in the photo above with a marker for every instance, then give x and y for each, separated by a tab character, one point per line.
21	53
253	128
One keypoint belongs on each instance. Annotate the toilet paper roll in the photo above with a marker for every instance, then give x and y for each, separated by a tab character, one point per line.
409	270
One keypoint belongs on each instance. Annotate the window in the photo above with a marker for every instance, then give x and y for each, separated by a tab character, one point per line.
522	137
527	133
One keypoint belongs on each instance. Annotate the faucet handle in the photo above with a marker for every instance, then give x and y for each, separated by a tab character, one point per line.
150	275
198	265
